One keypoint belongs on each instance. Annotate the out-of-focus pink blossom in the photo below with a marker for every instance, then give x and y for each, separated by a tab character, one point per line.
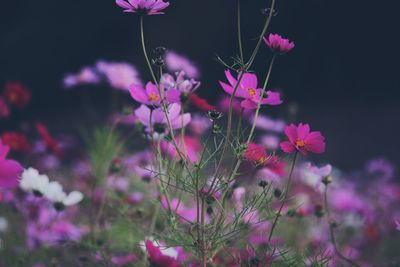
190	147
86	75
120	75
156	121
270	141
258	155
278	44
268	124
123	260
159	259
397	222
16	94
248	89
151	95
199	124
301	139
4	110
143	7
17	141
176	63
10	170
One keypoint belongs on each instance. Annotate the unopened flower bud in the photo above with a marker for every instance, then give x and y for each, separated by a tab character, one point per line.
277	192
327	180
263	184
319	211
214	115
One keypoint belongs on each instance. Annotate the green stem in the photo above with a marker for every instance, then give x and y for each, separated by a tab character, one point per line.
332	232
284	198
145	51
239	25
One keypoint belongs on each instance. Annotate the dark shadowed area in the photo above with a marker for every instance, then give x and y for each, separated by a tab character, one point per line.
343	74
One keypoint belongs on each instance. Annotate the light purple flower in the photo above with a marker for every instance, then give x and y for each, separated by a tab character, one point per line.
157	121
397	222
86	75
176	63
143	7
120	75
151	95
180	82
269	124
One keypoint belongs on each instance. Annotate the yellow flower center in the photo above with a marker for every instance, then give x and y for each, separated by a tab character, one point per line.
153	97
300	143
252	92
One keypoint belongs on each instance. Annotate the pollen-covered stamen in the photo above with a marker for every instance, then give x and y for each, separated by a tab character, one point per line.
251	91
153	97
300	143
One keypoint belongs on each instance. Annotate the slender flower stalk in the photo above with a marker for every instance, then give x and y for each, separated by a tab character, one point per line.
284	199
332	226
246	68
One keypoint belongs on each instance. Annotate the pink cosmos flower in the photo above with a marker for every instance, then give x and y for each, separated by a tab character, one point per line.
151	96
248	90
157	120
191	147
10	170
278	44
143	7
157	258
301	139
258	155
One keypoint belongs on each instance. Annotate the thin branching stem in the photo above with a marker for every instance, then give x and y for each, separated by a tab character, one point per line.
284	200
332	226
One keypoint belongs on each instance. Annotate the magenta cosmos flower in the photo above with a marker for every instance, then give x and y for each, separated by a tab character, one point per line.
157	258
278	44
301	139
156	119
10	170
248	90
143	7
151	96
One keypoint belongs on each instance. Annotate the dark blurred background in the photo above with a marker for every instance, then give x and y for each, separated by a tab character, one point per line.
343	74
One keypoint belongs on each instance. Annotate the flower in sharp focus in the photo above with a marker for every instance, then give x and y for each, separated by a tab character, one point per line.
151	95
16	94
301	139
10	170
157	122
157	258
143	7
278	44
32	181
248	90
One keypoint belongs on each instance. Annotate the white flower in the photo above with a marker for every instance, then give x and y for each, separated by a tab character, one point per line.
32	181
3	224
55	193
